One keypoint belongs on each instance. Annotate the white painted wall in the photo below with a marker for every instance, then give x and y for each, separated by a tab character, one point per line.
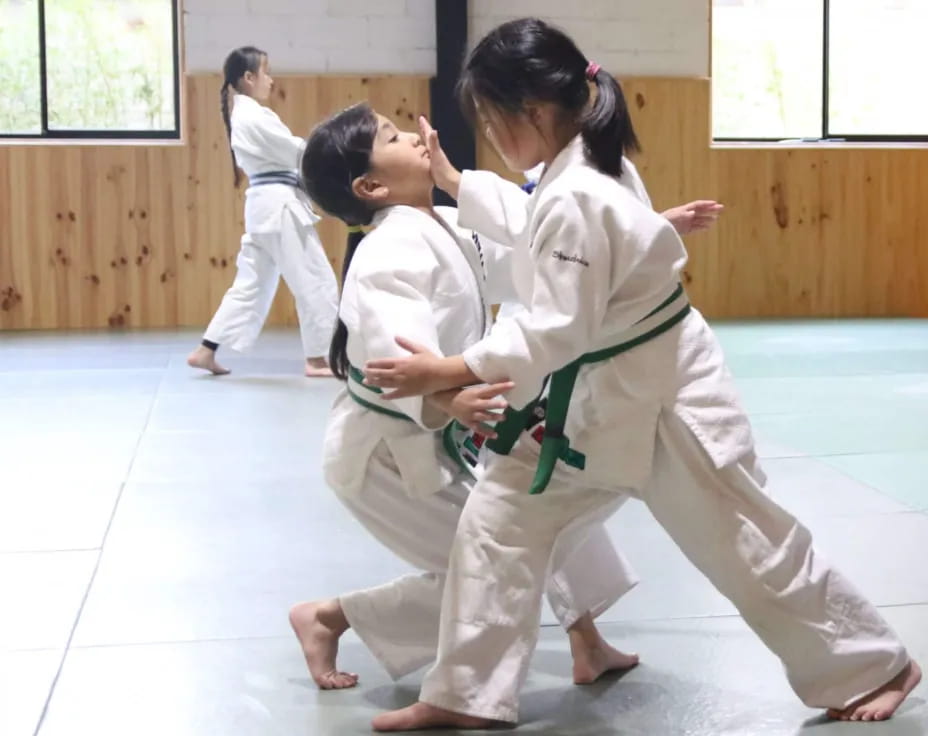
314	36
627	37
630	37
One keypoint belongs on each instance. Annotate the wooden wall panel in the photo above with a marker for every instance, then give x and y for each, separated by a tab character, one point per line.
808	231
146	236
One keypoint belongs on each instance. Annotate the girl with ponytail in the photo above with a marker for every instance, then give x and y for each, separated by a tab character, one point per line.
402	468
636	400
280	236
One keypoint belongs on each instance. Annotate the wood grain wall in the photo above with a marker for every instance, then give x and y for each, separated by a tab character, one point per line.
808	232
146	236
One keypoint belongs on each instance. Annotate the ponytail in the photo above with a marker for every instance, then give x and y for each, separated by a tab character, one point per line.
607	128
227	119
337	152
526	61
238	63
338	348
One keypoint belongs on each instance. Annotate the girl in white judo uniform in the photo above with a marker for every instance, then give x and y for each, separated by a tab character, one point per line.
689	218
639	401
418	273
280	236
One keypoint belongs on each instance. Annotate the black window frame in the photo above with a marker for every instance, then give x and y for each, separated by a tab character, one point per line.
829	136
102	135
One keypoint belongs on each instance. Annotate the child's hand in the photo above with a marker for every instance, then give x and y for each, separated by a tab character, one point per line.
414	375
445	176
694	216
474	407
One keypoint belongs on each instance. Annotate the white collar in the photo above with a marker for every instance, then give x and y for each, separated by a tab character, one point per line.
240	98
572	154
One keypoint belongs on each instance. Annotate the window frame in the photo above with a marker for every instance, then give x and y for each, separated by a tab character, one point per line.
828	136
102	135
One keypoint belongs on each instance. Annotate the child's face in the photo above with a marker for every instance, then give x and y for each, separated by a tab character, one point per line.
259	84
517	141
400	162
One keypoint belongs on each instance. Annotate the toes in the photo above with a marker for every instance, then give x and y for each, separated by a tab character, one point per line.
337	681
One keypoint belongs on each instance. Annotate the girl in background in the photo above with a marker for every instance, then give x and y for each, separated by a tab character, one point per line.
280	237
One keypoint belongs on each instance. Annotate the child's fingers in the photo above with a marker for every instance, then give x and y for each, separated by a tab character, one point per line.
412	347
384	379
380	365
486	430
487	404
498	388
425	127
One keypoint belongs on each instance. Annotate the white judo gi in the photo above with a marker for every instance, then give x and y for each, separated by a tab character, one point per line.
414	277
280	240
661	422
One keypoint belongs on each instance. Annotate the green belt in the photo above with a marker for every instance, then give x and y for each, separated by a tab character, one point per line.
358	377
554	445
455	435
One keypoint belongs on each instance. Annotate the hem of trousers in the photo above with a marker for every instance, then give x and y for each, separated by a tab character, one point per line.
569	617
465	707
862	691
350	601
237	345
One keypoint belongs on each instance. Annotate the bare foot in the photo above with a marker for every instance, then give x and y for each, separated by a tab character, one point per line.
591	663
205	359
319	626
422	715
318	368
881	704
593	656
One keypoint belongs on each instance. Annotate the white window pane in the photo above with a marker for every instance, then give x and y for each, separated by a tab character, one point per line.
110	64
767	68
20	86
877	66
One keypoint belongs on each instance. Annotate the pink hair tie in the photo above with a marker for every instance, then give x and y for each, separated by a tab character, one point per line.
592	69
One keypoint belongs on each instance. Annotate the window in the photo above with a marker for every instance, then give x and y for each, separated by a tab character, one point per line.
89	69
819	69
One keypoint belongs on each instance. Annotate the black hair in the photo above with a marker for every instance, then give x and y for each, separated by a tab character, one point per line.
237	64
526	61
337	152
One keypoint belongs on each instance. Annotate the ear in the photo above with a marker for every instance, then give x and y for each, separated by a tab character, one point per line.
369	190
535	114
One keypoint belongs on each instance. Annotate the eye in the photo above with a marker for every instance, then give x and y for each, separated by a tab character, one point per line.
395	138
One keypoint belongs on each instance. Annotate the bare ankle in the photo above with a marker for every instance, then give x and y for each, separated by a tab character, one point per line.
332	616
584	632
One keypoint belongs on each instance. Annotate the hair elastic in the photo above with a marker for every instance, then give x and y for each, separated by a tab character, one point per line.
592	69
